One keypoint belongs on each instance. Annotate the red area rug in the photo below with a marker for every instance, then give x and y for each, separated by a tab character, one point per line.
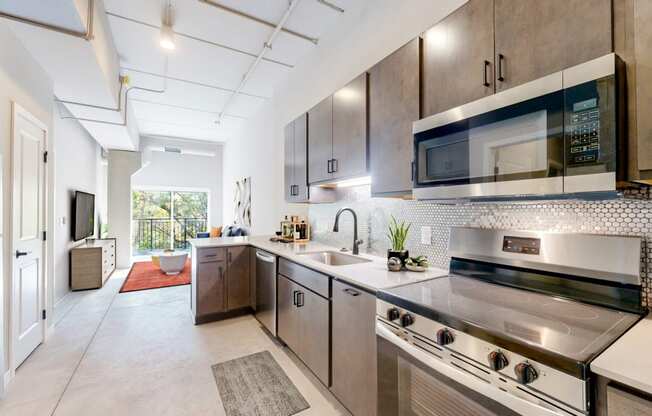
145	275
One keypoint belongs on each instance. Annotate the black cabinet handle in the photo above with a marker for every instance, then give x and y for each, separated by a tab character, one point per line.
300	299
484	73
412	170
501	58
351	292
294	297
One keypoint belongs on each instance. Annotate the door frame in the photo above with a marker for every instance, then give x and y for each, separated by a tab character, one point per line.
18	110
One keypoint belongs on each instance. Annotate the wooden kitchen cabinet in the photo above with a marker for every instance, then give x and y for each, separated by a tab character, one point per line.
221	282
350	129
237	278
304	317
296	160
535	38
393	107
320	141
458	58
354	349
209	281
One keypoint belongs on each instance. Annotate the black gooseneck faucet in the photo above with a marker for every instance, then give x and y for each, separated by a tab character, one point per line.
336	228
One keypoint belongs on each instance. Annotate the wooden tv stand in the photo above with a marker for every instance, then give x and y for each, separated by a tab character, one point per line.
91	264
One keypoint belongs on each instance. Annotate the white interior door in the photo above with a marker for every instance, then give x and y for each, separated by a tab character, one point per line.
28	214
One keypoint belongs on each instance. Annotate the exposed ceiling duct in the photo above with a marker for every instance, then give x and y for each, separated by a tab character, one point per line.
86	35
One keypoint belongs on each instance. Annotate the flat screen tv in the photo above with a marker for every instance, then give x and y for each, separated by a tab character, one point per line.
83	215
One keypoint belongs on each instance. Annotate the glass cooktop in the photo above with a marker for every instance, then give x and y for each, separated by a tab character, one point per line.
569	328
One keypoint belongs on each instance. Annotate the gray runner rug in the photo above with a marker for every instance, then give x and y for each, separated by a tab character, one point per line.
256	385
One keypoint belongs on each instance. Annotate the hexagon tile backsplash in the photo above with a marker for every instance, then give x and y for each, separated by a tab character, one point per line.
626	216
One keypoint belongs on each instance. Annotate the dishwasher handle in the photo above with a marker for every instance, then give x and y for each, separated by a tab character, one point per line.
265	258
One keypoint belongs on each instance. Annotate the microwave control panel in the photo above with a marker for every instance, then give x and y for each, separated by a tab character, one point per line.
583	133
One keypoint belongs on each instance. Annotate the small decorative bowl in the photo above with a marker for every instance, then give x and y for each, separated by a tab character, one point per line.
415	268
394	264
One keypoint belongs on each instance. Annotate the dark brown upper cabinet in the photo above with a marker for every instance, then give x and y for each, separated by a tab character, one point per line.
535	38
458	58
296	159
350	129
320	141
393	107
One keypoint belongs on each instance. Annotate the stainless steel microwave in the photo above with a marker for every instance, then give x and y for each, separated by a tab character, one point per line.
556	135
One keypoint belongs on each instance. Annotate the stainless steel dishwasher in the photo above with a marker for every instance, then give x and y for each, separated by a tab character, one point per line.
266	290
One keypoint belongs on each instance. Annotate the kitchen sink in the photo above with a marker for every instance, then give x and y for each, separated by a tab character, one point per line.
334	258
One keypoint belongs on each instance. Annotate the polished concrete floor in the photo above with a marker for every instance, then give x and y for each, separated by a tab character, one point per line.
139	353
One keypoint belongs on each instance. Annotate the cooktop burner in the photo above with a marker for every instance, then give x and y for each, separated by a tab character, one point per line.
568	328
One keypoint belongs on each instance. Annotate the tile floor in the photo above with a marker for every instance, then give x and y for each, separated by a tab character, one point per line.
139	353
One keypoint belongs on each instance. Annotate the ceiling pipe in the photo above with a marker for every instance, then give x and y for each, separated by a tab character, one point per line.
266	46
87	35
258	20
208	42
331	5
182	107
191	82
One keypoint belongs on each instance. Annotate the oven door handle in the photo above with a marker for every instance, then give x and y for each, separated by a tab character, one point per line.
517	404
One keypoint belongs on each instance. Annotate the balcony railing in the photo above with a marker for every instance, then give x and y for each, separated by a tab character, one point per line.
156	234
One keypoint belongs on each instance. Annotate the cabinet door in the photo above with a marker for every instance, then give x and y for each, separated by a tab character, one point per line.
458	58
393	107
314	333
301	159
354	349
287	326
288	162
350	129
320	141
210	288
643	94
237	283
537	38
622	403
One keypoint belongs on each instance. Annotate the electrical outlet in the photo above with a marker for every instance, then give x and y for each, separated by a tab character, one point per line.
426	235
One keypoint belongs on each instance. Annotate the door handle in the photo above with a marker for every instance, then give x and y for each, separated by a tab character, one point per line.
300	299
351	292
501	58
22	253
484	73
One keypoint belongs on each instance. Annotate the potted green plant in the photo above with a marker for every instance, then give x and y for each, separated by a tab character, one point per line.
397	234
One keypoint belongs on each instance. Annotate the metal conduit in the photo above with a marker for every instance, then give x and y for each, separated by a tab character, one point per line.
260	57
257	20
187	81
208	42
87	35
126	101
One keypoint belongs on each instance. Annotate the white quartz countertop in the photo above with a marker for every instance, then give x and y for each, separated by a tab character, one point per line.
371	276
628	360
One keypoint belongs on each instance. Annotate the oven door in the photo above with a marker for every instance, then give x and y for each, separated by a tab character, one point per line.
510	143
413	381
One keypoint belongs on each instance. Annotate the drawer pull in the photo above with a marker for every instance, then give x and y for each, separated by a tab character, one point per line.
351	292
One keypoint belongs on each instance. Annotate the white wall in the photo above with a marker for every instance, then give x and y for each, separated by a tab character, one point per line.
366	34
77	166
122	165
200	171
22	80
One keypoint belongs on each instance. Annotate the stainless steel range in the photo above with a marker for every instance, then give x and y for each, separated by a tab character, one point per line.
512	329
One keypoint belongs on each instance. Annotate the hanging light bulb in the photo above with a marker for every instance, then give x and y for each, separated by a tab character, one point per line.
167	34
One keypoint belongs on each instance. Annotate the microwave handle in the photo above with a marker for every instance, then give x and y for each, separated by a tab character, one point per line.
520	406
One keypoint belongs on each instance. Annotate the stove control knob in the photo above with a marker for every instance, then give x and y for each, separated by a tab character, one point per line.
393	314
497	360
525	373
407	320
445	337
